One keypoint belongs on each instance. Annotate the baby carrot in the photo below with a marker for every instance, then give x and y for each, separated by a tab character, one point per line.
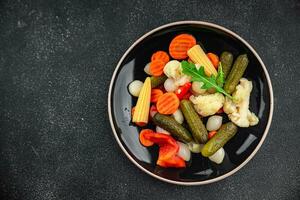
214	59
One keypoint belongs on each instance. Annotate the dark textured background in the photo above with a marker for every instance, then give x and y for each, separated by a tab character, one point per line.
56	60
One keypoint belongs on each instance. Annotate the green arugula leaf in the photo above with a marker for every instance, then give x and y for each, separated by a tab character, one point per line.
220	76
199	75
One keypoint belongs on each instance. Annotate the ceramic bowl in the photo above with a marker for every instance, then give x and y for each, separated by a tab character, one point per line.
239	150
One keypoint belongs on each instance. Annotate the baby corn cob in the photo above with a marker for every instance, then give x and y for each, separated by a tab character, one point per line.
141	113
197	55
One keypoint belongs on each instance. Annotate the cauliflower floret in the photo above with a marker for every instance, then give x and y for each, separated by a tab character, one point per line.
253	119
238	108
208	104
173	70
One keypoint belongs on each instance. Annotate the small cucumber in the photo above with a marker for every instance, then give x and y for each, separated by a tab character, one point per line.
194	121
236	73
171	125
157	80
224	134
226	59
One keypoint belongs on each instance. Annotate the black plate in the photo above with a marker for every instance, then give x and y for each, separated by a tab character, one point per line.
239	150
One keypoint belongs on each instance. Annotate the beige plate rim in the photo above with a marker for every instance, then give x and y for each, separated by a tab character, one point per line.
269	86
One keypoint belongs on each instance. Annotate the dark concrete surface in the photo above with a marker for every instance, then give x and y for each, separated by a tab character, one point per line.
56	60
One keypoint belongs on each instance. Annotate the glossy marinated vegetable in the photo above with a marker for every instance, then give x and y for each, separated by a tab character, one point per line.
157	80
226	132
195	123
236	73
171	125
226	59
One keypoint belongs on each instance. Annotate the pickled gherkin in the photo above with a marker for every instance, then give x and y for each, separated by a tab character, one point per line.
194	121
224	134
157	80
171	125
236	73
226	59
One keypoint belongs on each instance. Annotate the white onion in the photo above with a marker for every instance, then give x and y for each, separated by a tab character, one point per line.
214	123
147	69
195	147
135	87
218	157
170	85
178	116
161	130
196	87
184	151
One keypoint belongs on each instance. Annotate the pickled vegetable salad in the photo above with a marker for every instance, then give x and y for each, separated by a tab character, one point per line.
181	92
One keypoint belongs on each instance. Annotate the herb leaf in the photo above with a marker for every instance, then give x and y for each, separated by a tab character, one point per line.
220	76
199	75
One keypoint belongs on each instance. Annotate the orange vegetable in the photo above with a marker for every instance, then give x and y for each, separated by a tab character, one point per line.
214	59
157	67
167	104
180	45
155	94
132	111
143	137
160	55
211	134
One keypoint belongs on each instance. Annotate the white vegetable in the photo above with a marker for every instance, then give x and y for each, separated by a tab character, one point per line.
238	108
214	123
218	157
173	69
161	130
196	87
208	104
147	69
170	85
178	116
195	147
135	87
184	151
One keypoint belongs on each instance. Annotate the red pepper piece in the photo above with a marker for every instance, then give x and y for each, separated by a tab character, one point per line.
181	91
187	96
220	110
168	148
153	111
175	161
211	134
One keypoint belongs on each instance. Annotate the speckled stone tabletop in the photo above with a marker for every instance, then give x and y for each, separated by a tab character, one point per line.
56	60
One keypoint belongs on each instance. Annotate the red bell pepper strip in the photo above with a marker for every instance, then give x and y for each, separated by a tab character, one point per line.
187	96
211	134
181	91
168	148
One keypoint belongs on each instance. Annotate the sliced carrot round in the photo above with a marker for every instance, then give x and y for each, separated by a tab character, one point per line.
157	67
167	104
155	94
160	55
214	59
144	134
180	45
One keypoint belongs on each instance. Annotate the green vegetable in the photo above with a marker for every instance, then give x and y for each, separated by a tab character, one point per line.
224	134
157	80
171	125
199	75
226	60
195	124
220	77
236	73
